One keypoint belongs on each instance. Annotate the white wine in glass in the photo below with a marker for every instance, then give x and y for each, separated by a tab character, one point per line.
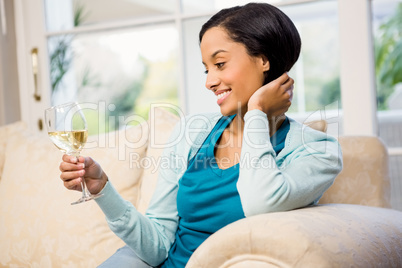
69	141
67	129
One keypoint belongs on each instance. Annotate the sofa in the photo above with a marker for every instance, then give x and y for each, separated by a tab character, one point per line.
352	226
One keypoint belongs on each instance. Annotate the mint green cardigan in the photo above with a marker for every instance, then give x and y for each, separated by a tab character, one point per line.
295	178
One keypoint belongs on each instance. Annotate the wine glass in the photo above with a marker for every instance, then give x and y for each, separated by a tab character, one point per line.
67	129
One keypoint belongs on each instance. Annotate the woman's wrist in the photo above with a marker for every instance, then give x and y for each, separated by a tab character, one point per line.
102	182
105	179
254	106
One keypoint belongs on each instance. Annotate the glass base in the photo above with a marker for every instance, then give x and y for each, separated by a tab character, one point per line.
86	198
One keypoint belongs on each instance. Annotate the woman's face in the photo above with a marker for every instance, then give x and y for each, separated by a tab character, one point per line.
232	74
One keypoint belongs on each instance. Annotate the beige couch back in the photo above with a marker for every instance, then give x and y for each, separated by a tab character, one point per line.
365	176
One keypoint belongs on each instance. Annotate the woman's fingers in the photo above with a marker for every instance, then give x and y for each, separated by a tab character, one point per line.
290	92
64	166
70	163
283	79
69	175
288	87
288	83
69	159
72	170
73	159
73	184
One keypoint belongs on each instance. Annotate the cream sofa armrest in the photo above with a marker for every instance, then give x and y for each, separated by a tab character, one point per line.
333	235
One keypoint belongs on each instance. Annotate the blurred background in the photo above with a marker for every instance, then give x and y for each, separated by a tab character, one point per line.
121	56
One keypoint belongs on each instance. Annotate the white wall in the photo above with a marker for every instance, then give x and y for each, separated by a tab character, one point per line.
357	68
9	90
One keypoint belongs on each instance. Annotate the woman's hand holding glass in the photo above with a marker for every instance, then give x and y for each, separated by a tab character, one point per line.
74	170
67	129
274	98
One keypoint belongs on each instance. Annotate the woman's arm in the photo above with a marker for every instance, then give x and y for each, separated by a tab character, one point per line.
312	161
152	235
140	233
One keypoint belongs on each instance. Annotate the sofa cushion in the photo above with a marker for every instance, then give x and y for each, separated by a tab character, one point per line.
38	226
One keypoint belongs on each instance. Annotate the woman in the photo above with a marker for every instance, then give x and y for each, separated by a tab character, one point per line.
248	160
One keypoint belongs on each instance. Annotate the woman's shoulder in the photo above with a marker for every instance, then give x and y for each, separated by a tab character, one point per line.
303	140
301	129
302	134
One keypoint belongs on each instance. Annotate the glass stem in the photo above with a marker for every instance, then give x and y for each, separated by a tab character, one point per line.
85	192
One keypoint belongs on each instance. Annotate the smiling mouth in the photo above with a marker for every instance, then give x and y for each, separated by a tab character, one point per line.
222	95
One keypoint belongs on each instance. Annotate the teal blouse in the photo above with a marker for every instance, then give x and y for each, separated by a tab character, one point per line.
207	199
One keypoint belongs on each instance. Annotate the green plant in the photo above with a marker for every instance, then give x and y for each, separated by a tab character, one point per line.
388	56
61	56
60	60
331	92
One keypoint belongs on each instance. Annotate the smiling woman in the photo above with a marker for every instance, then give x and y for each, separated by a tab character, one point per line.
249	159
231	72
179	78
238	44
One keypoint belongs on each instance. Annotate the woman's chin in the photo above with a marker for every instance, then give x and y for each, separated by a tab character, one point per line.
226	112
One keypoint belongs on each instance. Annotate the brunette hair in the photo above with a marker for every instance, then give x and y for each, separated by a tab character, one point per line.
264	30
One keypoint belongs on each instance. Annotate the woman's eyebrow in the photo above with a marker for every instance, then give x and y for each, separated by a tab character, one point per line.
217	52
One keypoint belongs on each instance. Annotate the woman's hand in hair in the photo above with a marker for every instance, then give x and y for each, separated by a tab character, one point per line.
274	98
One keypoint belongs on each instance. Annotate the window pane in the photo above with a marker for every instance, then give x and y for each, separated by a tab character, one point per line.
121	72
317	72
66	14
387	32
387	27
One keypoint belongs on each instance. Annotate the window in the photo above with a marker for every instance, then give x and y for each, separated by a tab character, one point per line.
122	71
387	32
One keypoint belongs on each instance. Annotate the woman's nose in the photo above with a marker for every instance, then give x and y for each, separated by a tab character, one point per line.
212	81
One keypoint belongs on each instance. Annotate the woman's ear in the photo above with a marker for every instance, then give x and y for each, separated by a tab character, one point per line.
265	63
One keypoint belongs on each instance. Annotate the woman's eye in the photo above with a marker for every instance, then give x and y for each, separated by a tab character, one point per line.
219	64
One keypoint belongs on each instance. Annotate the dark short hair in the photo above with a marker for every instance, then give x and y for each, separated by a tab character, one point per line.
264	30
